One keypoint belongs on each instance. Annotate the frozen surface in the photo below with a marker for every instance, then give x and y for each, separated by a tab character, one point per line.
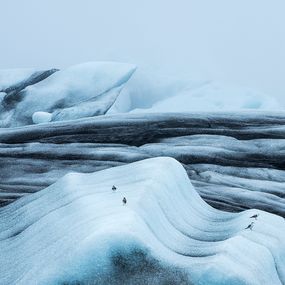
235	160
79	230
98	88
150	91
213	97
83	90
71	228
146	88
41	117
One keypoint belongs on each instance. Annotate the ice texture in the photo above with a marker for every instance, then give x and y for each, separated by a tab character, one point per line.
235	160
82	90
78	230
151	196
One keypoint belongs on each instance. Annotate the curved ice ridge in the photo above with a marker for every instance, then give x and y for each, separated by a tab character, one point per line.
78	230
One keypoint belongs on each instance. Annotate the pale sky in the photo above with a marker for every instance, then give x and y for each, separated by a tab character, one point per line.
241	42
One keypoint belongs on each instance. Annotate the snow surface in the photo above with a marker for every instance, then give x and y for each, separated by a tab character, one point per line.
79	230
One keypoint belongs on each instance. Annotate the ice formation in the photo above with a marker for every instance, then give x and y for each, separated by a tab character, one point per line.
235	161
131	214
151	92
41	117
83	90
214	97
78	230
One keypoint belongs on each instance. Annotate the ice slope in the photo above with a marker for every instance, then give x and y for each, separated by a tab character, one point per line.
83	90
151	90
147	87
212	96
78	230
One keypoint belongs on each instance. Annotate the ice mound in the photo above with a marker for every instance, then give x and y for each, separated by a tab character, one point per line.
78	230
83	90
146	88
212	96
41	117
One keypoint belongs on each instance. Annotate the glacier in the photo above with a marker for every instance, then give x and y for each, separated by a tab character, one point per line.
82	90
235	161
78	230
111	175
149	91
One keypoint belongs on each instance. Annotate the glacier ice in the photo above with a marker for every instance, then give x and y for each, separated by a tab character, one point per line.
82	90
78	230
94	88
213	96
234	160
146	88
72	228
41	117
150	91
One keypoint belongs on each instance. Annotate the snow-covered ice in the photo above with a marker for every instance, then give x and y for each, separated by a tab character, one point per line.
41	117
154	91
72	228
162	94
98	88
79	230
86	89
213	97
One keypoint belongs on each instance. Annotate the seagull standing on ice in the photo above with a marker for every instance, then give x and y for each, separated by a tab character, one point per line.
254	216
250	226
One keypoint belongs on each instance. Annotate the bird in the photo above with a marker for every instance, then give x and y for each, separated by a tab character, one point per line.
114	188
250	226
254	216
124	201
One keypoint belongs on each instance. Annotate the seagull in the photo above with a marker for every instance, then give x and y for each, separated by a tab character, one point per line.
114	188
250	226
254	216
124	201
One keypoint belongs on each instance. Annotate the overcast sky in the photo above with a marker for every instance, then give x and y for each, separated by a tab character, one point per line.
237	41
